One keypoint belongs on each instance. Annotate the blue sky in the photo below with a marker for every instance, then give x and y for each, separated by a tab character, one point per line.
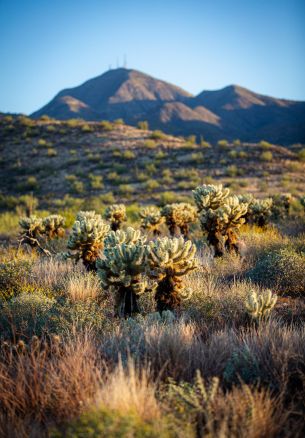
48	45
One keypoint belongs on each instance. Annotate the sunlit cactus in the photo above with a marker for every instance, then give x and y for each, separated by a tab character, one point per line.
130	235
260	306
281	205
53	226
169	260
31	230
220	216
122	270
87	238
179	216
151	219
210	196
116	215
247	198
260	211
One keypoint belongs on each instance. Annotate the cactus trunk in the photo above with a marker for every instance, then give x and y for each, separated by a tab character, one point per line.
127	302
166	296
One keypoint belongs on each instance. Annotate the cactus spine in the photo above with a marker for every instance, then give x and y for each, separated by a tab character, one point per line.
116	215
260	306
169	260
53	226
122	269
220	216
260	211
87	238
179	216
151	219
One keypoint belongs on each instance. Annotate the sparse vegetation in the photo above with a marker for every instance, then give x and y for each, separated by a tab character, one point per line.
159	338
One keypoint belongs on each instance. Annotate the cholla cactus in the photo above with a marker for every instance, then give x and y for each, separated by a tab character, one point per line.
151	219
210	196
281	205
118	237
220	216
247	198
260	306
260	211
53	226
122	270
115	214
179	215
169	260
87	238
31	230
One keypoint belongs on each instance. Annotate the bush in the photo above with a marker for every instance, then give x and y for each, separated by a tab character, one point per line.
143	125
105	422
12	276
282	270
301	155
266	156
27	314
157	135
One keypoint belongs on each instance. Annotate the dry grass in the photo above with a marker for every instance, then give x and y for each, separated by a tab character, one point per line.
82	286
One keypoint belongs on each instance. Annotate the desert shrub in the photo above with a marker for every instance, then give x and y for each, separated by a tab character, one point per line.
151	185
282	270
223	143
96	181
170	260
52	152
157	135
143	125
150	144
265	144
103	422
31	182
116	215
106	126
12	277
27	314
128	155
242	412
266	156
301	155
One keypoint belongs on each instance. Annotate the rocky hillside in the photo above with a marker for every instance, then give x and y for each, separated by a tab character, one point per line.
58	161
232	112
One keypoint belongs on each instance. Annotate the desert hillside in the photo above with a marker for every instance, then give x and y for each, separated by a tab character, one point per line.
57	160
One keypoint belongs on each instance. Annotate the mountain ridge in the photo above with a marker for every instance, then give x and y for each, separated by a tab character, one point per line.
231	112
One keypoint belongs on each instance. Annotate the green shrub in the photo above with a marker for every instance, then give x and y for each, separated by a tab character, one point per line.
106	126
282	270
265	144
104	422
266	156
223	143
143	125
28	314
157	135
301	155
12	277
150	144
